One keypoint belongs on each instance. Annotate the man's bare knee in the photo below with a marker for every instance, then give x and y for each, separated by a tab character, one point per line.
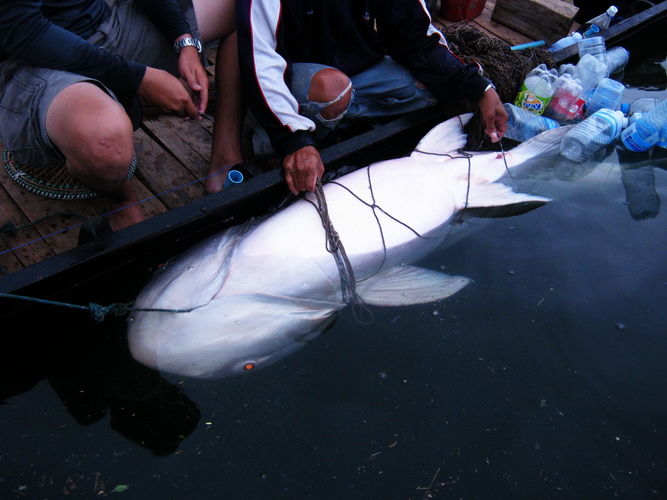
331	86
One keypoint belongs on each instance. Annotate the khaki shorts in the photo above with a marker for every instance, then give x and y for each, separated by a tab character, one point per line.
26	92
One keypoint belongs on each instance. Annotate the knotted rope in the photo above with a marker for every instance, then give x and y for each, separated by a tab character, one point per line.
98	311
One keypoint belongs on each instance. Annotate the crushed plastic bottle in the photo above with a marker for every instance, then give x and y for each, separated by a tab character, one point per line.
617	59
594	46
566	104
522	124
640	105
607	94
590	71
566	42
569	69
588	137
537	89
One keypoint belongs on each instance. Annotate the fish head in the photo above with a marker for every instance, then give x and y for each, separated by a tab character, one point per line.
230	335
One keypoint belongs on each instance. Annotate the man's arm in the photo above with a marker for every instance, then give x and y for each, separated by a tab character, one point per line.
27	35
157	88
406	30
263	70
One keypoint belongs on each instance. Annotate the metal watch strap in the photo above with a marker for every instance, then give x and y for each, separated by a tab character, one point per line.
187	42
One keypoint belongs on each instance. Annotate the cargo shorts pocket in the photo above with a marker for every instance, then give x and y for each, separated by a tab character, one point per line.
20	127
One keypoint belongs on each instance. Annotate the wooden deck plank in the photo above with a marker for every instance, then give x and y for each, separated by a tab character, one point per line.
163	174
36	207
25	253
19	207
184	139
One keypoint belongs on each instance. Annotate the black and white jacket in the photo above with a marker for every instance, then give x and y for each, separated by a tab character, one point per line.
350	35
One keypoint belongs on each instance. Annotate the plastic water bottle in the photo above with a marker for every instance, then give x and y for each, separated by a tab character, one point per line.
522	124
588	137
537	89
566	42
604	20
590	71
617	58
566	104
641	105
567	69
646	131
662	141
594	46
607	94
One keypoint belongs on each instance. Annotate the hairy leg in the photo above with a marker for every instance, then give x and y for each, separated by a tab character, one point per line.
95	135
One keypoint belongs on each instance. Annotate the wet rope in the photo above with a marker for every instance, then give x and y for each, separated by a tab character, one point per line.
97	311
335	247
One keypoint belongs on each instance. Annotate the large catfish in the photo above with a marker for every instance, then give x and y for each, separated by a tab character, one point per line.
259	291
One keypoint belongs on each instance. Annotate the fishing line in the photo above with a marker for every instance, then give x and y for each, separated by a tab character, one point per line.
374	207
468	156
335	246
97	311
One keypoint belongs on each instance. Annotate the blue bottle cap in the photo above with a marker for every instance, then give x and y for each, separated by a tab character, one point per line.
591	31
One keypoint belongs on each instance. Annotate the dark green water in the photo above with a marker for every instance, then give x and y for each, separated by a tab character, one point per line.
544	378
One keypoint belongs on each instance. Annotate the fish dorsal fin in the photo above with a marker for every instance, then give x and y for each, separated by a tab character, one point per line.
408	285
492	199
446	137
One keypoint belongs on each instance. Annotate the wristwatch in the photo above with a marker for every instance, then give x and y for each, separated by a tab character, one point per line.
187	42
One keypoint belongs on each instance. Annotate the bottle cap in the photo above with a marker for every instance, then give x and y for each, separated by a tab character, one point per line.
625	108
612	11
592	31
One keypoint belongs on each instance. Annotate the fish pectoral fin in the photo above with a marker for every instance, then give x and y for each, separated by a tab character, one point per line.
407	285
497	200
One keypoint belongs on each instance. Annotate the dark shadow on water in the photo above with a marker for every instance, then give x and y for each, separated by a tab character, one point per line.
90	369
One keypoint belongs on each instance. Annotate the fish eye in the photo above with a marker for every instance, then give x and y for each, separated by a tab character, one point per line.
249	365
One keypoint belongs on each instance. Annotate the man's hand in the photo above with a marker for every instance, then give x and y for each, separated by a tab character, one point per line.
493	115
192	71
166	92
302	169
